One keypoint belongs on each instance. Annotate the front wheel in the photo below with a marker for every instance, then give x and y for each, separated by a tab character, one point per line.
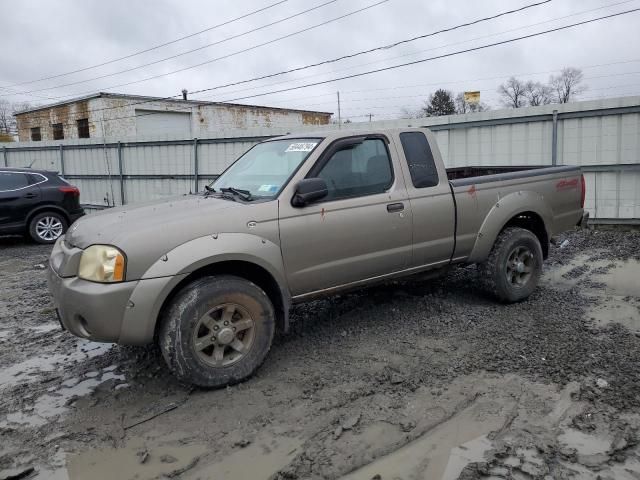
217	331
513	268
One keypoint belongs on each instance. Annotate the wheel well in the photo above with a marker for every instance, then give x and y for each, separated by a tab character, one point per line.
533	222
47	208
247	270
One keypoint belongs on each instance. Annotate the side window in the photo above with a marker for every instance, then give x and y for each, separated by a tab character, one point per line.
420	159
364	169
12	181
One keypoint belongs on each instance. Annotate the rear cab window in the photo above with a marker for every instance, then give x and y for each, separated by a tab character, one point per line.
419	159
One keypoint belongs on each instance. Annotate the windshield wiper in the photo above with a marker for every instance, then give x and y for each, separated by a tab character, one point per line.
244	194
209	190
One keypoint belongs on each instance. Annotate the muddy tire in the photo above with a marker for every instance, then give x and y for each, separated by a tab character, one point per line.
46	227
217	331
513	268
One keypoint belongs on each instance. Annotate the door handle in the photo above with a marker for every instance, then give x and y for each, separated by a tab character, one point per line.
395	207
30	195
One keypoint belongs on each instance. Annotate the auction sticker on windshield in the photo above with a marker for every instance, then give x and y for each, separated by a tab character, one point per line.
301	147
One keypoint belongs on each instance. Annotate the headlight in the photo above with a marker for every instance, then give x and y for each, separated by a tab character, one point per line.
102	263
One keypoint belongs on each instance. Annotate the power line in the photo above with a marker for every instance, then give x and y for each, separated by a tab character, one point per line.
430	49
244	50
140	52
415	62
408	63
155	62
384	47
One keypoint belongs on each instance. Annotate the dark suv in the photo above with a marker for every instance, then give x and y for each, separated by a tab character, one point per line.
37	202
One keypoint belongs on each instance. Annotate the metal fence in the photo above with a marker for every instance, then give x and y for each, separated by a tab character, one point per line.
603	137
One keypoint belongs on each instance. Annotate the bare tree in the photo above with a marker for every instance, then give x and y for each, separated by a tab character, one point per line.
462	106
512	93
537	93
6	117
567	85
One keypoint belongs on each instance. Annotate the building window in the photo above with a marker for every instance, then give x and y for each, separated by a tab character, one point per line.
36	136
58	131
83	128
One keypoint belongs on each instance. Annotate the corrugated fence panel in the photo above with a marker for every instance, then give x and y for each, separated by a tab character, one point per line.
41	160
158	159
98	191
142	190
91	161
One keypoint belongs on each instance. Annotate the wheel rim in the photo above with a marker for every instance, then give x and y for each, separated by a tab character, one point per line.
224	335
520	266
49	228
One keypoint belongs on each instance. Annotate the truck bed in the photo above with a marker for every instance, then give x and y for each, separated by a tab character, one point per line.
460	176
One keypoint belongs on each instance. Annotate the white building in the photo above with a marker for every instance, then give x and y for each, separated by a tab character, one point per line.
114	115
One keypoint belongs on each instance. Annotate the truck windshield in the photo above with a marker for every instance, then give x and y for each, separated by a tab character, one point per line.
265	168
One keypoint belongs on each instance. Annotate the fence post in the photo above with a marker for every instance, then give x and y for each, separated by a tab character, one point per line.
4	154
61	161
122	202
195	163
554	139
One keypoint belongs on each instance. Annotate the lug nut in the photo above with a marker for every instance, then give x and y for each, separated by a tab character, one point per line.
226	323
216	327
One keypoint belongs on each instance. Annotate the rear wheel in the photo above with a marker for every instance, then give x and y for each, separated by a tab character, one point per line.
46	227
513	268
217	331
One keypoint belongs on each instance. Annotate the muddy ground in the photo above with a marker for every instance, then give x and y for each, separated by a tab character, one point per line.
410	380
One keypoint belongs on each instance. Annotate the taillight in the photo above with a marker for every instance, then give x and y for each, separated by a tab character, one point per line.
70	189
584	191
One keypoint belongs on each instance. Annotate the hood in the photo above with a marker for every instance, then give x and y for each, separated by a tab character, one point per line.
145	232
168	221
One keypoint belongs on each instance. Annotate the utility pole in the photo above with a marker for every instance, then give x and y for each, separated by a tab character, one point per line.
370	115
339	113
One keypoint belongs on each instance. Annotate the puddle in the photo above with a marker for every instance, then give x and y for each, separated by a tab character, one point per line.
30	369
258	461
443	452
584	444
56	402
614	283
162	461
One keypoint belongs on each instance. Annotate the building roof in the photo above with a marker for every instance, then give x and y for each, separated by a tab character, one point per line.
143	98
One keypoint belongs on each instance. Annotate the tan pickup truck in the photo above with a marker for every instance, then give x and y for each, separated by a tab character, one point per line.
211	276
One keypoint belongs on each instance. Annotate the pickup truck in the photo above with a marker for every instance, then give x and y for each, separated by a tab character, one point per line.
210	276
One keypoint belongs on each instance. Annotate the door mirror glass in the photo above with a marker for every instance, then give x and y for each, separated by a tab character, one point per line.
309	190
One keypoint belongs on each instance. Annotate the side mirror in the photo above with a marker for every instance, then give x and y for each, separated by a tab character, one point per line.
309	190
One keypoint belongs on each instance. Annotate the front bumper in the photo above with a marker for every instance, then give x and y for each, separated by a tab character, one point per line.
90	310
124	313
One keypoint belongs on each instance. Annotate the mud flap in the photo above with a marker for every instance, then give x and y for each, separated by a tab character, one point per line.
584	221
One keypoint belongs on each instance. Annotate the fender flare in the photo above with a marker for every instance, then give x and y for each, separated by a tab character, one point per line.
172	268
504	210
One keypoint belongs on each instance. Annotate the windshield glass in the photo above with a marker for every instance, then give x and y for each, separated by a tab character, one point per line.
265	168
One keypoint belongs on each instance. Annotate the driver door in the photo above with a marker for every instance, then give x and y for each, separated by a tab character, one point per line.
361	230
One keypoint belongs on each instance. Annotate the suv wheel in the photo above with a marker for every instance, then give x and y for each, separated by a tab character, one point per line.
46	227
217	331
513	268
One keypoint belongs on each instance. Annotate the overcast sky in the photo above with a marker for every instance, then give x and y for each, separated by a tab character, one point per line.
43	38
